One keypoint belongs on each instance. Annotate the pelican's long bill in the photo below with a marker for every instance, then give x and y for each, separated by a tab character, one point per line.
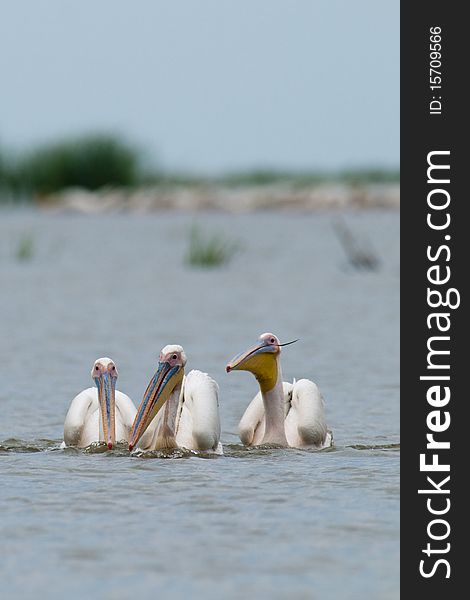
157	393
251	358
261	360
106	385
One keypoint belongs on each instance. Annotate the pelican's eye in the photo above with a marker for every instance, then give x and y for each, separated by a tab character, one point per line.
113	368
174	357
97	368
272	341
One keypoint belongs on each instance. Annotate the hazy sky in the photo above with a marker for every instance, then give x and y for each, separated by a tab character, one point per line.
208	85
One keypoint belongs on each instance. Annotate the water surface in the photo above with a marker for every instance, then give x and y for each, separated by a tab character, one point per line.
260	523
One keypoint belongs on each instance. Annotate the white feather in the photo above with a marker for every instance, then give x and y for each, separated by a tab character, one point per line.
197	423
82	423
305	423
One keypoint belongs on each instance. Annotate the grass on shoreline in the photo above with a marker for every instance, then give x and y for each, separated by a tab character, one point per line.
99	160
270	177
88	162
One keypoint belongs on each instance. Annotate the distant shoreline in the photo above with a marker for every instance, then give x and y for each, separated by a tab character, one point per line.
229	199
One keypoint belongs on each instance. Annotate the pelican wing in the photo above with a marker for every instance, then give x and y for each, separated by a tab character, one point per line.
252	424
77	424
198	420
305	423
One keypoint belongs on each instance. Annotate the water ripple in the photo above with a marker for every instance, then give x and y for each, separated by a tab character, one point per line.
14	445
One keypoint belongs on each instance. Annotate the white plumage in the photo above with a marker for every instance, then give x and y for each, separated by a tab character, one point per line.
83	424
198	420
195	410
188	415
304	421
99	414
281	413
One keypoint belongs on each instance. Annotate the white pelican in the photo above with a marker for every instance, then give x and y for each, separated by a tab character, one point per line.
282	413
178	410
99	414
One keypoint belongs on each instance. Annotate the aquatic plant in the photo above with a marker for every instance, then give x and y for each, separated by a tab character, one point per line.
25	248
209	250
359	253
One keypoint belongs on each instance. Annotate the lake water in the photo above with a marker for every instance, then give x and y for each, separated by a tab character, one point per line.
255	523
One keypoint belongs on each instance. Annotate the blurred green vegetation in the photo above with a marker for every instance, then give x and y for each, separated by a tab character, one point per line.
4	170
209	250
89	162
98	160
25	248
309	178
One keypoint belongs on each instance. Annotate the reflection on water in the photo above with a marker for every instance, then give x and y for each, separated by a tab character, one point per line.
259	522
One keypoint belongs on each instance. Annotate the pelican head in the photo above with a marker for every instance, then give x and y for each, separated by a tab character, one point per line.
262	360
104	374
168	376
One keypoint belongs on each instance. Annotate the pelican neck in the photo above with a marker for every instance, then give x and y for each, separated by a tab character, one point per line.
274	410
